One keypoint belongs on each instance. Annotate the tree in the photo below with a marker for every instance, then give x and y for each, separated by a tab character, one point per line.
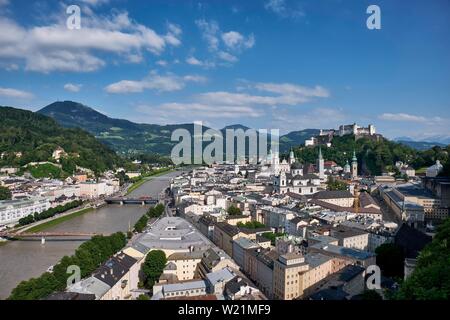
334	184
141	224
156	211
153	267
5	193
143	297
251	225
430	279
234	211
89	256
390	259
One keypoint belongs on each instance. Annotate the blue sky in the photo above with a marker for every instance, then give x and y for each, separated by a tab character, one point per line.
280	64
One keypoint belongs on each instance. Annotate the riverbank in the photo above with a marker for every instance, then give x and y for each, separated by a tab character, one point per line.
145	179
41	227
22	260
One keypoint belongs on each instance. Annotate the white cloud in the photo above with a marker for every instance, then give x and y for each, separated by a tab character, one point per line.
189	112
162	63
53	47
318	118
220	44
287	94
194	61
195	78
293	89
4	3
234	40
95	2
227	56
135	58
15	94
72	87
212	111
166	83
281	8
402	117
174	29
210	30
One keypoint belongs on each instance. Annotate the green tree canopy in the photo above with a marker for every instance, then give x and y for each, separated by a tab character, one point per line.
234	211
153	267
431	278
5	193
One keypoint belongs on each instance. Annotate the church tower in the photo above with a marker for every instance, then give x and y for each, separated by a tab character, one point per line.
291	157
354	165
321	164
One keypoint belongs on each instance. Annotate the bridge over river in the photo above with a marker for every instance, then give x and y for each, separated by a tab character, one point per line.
125	200
43	236
22	260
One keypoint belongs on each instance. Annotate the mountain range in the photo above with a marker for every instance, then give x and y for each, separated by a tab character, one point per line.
128	137
423	145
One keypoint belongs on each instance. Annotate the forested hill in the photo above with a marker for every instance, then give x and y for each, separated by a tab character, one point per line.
36	136
375	157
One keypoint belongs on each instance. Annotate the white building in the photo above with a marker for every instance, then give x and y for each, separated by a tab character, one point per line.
11	211
435	169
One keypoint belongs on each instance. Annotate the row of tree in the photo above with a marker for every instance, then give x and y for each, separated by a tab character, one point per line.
89	256
251	225
153	212
50	212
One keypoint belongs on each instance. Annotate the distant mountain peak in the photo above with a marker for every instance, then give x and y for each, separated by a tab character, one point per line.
235	127
65	106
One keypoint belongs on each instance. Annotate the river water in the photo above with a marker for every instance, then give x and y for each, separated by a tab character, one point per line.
22	260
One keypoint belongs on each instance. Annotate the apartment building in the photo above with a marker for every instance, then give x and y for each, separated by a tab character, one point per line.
338	198
351	237
11	211
287	276
184	265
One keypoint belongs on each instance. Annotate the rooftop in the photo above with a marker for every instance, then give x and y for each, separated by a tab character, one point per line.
173	233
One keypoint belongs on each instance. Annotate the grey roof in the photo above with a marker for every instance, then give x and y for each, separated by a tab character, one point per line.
316	259
91	285
342	251
182	286
234	285
173	233
338	194
114	269
296	165
342	232
330	294
71	296
223	275
245	243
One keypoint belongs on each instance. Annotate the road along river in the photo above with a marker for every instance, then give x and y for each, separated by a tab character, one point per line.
22	260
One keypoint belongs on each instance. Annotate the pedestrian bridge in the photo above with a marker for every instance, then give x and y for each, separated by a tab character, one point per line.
125	200
42	236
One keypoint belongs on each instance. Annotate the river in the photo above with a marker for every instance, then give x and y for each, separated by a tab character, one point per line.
22	260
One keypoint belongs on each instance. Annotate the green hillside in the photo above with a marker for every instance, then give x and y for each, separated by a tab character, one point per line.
131	138
36	136
374	156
